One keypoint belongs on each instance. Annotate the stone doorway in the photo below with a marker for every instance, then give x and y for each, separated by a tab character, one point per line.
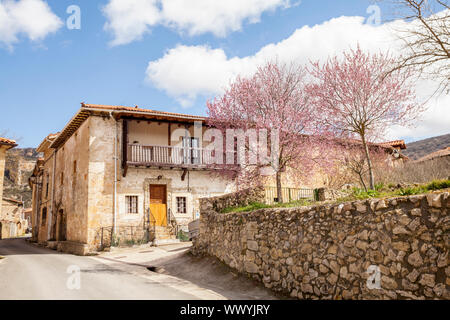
62	226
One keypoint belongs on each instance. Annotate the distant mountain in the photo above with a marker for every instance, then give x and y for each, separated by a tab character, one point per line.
419	149
18	168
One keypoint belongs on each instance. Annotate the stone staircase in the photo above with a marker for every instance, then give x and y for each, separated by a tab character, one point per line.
164	236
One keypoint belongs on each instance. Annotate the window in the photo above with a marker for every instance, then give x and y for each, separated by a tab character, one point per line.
191	150
46	187
44	216
181	204
132	204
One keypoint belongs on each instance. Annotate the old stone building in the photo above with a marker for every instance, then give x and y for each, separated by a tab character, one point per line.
120	174
12	219
5	145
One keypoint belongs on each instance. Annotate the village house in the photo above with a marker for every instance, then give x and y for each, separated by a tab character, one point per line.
13	221
5	145
115	174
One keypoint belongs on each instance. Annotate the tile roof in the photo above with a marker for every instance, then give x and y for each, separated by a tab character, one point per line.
87	109
141	110
396	143
8	142
437	154
48	139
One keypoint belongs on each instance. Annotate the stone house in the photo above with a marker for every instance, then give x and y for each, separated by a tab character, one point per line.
5	145
12	219
119	170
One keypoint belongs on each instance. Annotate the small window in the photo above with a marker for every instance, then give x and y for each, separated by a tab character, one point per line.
44	216
181	204
46	187
132	204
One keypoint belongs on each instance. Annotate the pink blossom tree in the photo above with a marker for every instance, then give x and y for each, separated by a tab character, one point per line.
362	98
274	98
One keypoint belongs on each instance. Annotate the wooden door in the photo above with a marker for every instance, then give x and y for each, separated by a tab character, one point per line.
158	205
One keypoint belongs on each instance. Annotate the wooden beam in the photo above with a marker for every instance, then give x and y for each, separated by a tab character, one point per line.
184	174
189	123
124	146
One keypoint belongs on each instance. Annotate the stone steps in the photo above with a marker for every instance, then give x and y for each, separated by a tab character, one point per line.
162	233
160	242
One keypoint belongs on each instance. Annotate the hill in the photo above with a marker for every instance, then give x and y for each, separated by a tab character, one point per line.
418	149
18	168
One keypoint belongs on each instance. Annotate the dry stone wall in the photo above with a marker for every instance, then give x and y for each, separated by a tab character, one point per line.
374	249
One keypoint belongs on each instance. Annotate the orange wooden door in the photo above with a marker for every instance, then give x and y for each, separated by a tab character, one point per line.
158	205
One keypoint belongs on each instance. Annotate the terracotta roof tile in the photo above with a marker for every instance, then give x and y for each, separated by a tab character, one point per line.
396	143
7	141
137	109
437	154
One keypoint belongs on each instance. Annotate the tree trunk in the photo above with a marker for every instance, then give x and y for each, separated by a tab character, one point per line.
369	163
361	178
279	190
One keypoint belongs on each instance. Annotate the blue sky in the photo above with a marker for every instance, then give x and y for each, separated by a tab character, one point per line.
42	82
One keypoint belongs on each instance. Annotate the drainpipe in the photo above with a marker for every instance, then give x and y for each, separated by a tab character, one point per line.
49	227
115	176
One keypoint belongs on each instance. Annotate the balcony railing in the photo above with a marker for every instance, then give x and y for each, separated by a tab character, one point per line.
166	155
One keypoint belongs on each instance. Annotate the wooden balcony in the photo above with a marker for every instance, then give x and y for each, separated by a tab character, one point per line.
166	156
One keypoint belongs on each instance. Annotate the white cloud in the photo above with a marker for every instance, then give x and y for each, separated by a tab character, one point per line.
189	72
129	20
33	18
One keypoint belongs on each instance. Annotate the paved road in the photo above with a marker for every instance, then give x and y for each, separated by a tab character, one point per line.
31	272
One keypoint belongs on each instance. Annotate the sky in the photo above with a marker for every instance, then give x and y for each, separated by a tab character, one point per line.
170	55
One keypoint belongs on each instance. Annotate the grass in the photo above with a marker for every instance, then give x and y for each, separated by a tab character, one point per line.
258	205
380	191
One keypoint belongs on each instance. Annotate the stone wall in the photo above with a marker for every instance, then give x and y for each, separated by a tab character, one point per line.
326	251
240	198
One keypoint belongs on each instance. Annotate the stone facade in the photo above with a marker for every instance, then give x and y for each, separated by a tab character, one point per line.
74	197
5	145
12	220
340	251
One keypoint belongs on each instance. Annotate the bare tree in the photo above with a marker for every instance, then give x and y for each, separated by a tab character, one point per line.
426	39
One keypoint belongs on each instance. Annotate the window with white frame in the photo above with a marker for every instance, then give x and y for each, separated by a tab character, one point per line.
132	204
181	205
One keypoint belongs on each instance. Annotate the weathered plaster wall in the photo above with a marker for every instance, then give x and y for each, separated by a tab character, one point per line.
325	251
157	134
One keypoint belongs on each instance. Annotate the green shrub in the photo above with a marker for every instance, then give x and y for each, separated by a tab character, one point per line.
408	191
251	207
438	184
362	194
183	236
379	186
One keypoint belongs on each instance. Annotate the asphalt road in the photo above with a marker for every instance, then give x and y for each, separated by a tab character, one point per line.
31	272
